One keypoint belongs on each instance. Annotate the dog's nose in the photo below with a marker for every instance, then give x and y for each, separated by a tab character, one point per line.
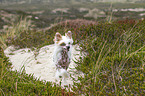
68	47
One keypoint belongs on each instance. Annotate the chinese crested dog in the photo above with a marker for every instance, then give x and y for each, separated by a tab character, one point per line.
62	55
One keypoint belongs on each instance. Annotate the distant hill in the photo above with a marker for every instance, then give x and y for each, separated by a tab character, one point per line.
58	1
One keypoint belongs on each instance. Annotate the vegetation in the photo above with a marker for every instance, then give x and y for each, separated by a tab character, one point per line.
113	65
15	83
49	13
114	61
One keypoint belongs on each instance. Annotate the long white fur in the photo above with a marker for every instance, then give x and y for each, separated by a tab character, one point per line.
57	55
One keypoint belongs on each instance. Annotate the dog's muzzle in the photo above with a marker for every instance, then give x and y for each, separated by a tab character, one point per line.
67	47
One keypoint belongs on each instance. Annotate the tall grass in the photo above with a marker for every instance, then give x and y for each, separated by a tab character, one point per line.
110	14
113	64
14	31
115	54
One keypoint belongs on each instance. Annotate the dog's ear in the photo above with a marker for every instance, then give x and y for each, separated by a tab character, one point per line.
68	34
58	37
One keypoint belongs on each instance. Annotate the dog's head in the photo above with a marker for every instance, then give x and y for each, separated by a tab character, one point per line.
65	42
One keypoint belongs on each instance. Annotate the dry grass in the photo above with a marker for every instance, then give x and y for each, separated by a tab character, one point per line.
14	31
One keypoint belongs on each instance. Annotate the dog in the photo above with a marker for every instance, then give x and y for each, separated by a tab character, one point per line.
62	55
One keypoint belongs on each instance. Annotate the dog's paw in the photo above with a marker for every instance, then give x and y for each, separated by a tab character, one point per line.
64	82
64	73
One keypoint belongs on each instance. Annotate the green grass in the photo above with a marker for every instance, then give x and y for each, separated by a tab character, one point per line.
113	65
15	83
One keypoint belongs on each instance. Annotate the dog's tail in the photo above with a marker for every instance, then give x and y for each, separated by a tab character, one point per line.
64	73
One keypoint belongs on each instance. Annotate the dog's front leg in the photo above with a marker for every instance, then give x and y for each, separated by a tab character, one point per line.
64	81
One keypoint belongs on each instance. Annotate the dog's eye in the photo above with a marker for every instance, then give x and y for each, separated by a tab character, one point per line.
68	42
62	44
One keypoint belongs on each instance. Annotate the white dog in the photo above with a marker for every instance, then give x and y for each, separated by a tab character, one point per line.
62	55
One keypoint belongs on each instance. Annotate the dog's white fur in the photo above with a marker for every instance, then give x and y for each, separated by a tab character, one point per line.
62	43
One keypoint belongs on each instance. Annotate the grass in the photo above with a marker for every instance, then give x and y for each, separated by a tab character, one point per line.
14	31
113	65
115	59
47	17
15	83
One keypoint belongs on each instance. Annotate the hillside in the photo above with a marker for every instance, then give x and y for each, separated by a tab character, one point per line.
114	59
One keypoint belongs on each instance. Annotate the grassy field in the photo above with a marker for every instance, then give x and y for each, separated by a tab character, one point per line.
114	63
48	13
